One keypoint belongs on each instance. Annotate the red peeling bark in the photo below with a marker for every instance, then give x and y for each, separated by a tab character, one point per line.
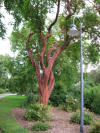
46	79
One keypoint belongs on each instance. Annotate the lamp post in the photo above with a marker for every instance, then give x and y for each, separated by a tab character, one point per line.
74	32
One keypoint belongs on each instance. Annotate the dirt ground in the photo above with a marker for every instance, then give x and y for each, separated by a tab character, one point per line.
60	124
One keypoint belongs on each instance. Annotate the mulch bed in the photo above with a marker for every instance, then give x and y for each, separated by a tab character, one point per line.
1	131
60	124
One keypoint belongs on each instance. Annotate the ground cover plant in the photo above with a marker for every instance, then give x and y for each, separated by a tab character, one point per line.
71	104
96	127
40	126
38	112
7	122
88	118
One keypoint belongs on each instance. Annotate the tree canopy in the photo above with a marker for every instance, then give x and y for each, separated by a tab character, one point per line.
35	13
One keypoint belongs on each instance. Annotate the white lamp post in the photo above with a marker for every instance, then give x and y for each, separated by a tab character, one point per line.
74	32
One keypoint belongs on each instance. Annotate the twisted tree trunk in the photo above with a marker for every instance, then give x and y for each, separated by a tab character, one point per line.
46	79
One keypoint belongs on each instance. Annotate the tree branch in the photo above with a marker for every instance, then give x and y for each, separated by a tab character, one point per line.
51	83
41	33
59	51
68	7
54	57
34	63
55	46
43	51
69	4
57	14
27	39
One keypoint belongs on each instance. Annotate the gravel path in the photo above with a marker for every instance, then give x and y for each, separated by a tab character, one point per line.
7	94
60	124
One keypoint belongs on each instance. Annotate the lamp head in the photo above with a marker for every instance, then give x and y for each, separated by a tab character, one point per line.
73	31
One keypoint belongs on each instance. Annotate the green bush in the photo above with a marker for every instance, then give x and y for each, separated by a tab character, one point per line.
96	128
38	112
71	104
58	95
2	91
75	91
31	99
88	118
92	99
88	97
40	126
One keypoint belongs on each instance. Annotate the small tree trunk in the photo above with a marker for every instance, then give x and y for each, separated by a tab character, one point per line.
43	99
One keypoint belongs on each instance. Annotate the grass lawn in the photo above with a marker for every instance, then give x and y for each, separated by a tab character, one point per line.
7	122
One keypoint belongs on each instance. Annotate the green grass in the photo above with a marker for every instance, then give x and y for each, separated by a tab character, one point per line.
7	122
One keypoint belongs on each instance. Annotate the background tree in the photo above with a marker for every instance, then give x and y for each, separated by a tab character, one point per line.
5	62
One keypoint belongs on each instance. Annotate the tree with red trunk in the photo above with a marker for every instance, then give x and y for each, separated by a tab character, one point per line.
46	79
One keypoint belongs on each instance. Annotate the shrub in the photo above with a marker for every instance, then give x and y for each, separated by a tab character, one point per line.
71	104
31	99
92	99
38	112
2	91
40	126
88	97
75	91
88	118
58	95
96	128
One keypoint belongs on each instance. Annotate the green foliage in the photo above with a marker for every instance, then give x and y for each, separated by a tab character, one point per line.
71	104
2	28
89	79
74	91
21	78
95	76
2	25
88	97
40	126
22	10
88	118
5	62
65	73
96	128
32	98
92	98
58	95
93	53
38	112
2	91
